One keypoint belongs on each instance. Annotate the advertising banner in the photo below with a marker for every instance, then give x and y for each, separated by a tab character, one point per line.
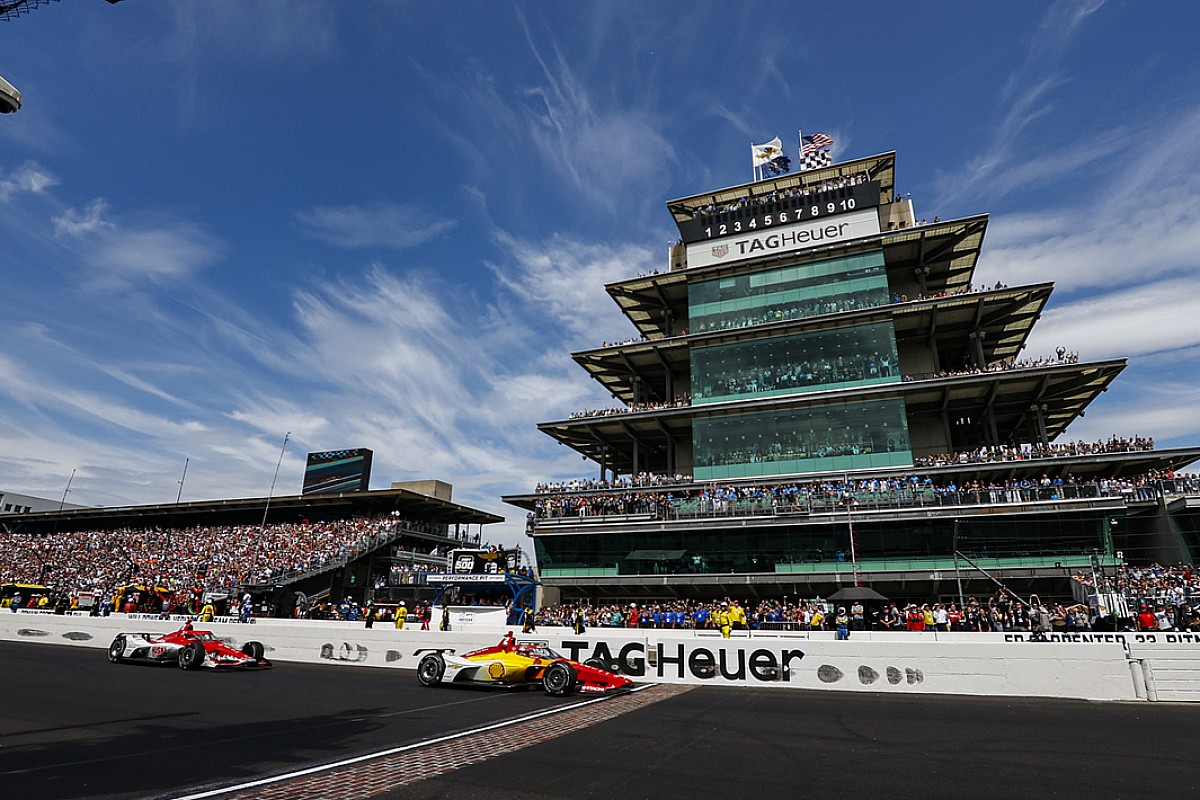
776	240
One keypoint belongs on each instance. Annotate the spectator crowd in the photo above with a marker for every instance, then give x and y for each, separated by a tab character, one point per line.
1176	610
822	371
987	455
190	560
822	495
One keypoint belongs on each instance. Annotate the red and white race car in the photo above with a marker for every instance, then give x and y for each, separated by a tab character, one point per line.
187	647
512	663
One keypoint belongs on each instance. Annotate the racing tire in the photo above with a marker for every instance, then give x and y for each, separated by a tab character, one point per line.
116	650
559	679
255	650
430	669
192	656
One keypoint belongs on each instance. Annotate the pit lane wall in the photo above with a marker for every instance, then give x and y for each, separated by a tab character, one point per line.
1087	666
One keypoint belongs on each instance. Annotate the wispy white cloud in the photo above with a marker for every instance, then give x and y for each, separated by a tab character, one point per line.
1139	225
1026	96
389	225
29	177
1049	42
602	151
269	29
90	219
1133	322
564	279
1123	259
154	250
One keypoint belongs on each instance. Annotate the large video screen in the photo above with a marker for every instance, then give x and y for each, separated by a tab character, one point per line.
468	561
338	471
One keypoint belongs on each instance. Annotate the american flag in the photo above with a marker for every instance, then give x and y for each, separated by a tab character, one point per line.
811	144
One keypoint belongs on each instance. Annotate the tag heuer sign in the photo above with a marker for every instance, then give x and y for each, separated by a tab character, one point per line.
720	251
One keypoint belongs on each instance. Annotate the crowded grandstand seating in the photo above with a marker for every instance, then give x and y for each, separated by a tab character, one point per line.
986	455
827	495
1151	588
781	195
785	375
193	559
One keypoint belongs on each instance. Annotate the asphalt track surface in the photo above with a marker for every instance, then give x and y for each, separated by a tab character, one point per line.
74	726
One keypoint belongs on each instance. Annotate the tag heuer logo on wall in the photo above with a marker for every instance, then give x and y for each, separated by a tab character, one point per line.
720	251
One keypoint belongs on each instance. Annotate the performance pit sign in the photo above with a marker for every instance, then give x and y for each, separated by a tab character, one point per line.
496	578
775	240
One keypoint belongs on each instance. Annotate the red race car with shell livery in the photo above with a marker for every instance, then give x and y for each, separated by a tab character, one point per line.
511	664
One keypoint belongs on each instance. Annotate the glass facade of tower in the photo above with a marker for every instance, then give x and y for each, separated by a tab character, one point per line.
835	436
785	293
813	438
843	358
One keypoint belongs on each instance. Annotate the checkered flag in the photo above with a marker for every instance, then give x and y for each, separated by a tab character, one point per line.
820	158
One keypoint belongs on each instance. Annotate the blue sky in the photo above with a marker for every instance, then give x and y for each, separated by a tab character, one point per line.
387	224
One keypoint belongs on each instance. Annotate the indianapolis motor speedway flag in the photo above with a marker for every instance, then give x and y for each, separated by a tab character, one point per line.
762	154
769	156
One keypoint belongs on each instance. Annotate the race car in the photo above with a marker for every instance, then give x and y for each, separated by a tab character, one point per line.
513	664
187	647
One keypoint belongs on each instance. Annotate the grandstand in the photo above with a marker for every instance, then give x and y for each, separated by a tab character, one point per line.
365	546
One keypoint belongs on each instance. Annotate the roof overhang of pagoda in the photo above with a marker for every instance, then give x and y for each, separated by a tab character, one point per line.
610	439
648	300
1004	316
880	168
1013	398
1061	392
945	252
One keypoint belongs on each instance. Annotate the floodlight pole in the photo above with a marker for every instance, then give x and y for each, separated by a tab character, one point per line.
267	505
182	478
62	503
850	525
957	572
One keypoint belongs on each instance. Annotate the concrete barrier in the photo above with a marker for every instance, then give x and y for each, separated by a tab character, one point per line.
963	664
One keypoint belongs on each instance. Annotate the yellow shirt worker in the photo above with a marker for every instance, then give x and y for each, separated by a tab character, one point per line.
737	616
724	620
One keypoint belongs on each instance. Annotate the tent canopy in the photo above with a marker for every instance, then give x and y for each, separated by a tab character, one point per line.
857	593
